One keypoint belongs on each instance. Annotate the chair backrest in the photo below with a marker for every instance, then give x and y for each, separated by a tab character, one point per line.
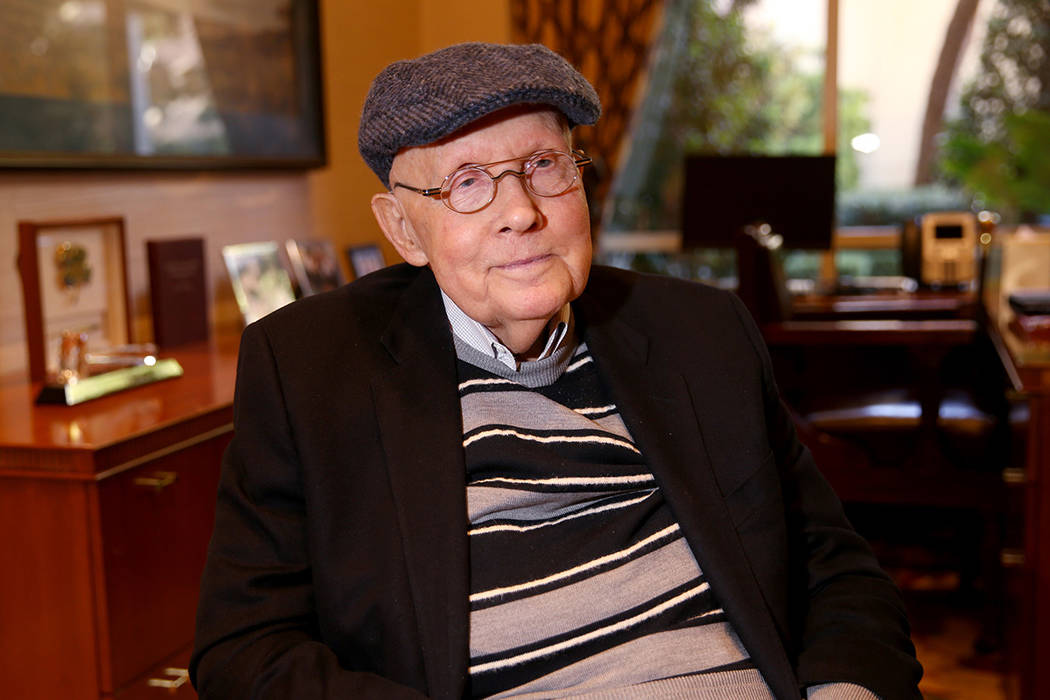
761	283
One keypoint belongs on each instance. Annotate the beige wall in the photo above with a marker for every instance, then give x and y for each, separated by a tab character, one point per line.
340	194
359	39
444	23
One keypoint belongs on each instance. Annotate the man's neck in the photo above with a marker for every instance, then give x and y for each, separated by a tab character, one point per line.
537	340
526	339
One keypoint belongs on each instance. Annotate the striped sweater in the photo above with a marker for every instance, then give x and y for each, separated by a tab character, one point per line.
581	580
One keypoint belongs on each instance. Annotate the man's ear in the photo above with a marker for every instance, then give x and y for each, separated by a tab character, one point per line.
397	228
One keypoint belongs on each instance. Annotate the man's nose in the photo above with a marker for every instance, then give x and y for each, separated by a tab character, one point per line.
519	208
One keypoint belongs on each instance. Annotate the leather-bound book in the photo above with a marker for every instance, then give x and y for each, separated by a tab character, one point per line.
177	291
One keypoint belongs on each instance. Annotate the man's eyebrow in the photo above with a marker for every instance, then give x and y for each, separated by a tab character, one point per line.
485	163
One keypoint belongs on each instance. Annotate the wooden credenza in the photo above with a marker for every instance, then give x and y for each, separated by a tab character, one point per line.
105	513
1028	610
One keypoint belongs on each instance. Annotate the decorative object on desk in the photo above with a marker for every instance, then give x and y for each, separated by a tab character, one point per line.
119	357
73	279
106	383
1015	261
314	265
212	84
1031	321
1030	302
949	248
1032	329
178	296
365	259
83	376
72	357
259	280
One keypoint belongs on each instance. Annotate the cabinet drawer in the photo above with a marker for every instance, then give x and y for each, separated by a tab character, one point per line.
156	521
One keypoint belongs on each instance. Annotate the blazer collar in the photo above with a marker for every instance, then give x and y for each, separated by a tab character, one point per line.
418	411
657	407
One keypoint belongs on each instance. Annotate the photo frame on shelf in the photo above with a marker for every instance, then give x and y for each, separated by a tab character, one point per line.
74	278
260	282
365	258
314	265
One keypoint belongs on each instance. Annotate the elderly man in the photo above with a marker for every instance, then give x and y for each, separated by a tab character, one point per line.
498	471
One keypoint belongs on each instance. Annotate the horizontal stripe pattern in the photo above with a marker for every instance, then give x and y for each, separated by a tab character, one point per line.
575	555
587	568
609	627
597	678
618	502
642	578
565	436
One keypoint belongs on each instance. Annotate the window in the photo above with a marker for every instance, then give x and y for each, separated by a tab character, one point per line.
940	106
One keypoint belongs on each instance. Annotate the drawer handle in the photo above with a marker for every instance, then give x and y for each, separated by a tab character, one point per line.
179	676
1012	558
1014	475
158	481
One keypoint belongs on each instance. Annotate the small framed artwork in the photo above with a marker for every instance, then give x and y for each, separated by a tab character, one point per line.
73	281
260	282
314	265
365	259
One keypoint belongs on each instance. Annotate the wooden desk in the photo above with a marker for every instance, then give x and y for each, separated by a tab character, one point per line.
106	509
1028	366
900	305
940	332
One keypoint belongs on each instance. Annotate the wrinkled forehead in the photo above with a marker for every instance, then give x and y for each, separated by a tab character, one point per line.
477	142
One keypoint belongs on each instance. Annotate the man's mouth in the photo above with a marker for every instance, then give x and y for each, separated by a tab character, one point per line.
524	262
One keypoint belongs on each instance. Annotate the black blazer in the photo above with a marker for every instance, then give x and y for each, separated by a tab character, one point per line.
338	566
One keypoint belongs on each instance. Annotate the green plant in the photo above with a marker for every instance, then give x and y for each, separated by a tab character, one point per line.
996	148
1010	174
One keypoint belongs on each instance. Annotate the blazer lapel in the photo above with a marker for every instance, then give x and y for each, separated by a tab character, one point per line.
657	407
420	427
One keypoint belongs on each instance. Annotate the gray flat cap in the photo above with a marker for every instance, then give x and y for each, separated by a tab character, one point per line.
417	102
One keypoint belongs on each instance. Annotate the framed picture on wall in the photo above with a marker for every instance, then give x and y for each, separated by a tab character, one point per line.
314	265
73	280
260	282
365	258
162	85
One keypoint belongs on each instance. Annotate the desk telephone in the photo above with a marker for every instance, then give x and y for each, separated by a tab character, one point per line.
939	249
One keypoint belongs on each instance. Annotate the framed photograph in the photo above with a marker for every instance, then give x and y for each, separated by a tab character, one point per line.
161	84
73	279
260	282
314	265
365	258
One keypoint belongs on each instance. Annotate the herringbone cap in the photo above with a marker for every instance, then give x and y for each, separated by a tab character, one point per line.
416	102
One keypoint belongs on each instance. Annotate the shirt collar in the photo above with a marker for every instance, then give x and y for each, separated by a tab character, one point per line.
477	336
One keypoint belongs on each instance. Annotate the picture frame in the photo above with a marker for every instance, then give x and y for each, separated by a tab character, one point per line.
315	267
210	84
260	281
74	278
365	259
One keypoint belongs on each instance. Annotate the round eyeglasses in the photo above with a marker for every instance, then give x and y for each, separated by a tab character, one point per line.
472	187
